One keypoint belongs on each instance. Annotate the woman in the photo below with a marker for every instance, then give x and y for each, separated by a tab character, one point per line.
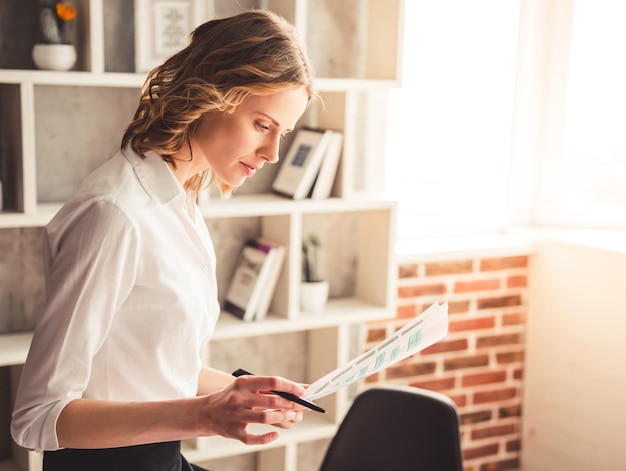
113	379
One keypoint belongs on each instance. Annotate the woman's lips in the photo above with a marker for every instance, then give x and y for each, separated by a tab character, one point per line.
248	170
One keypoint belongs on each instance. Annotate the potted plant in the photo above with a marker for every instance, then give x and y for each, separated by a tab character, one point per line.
314	291
56	50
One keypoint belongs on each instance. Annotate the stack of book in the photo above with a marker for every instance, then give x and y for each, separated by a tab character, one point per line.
310	165
252	286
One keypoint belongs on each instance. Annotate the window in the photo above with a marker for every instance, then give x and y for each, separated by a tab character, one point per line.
510	113
583	181
450	124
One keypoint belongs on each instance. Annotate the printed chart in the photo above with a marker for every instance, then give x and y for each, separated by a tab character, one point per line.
426	329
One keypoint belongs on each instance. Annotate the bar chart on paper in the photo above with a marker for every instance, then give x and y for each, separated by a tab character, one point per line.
423	331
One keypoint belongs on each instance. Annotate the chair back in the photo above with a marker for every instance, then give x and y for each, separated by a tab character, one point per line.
397	429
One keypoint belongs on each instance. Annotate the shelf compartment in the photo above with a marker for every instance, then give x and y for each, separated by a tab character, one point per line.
356	252
350	39
230	234
23	31
67	148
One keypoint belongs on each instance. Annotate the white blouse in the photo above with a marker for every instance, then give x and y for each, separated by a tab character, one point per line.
131	297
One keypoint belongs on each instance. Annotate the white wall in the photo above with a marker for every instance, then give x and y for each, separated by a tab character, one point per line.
574	414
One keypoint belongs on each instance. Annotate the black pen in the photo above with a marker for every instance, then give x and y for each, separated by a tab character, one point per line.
286	395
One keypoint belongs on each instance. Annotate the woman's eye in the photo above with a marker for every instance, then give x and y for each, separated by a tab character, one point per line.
263	127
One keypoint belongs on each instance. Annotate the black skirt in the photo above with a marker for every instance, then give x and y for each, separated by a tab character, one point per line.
151	457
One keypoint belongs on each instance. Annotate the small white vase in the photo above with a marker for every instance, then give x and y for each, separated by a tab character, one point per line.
313	295
54	56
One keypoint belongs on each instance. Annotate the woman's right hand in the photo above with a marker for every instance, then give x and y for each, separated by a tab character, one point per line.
246	401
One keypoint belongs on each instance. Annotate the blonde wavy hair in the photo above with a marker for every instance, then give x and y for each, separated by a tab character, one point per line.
227	60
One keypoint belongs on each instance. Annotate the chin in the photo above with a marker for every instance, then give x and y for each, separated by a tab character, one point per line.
226	189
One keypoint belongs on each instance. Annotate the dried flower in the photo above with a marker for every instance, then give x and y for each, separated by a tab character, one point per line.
66	11
56	20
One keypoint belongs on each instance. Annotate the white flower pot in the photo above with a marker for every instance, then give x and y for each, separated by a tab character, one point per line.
313	295
54	56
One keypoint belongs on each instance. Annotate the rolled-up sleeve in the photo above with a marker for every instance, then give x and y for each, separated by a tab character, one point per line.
91	260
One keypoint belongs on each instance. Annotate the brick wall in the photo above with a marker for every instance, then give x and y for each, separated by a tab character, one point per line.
479	364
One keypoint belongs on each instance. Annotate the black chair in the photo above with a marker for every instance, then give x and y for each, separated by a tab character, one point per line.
397	429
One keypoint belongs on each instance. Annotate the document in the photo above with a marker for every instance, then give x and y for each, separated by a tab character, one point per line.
423	331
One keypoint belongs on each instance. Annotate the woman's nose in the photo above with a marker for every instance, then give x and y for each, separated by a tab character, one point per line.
270	151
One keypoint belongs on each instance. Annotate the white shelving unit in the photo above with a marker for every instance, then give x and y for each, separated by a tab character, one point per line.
366	246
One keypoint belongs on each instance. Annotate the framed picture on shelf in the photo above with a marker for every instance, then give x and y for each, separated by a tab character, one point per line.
301	165
162	28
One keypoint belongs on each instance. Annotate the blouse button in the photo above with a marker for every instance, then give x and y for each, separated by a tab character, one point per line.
205	269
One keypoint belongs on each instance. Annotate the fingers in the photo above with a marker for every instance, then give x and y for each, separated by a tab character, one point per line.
268	416
282	419
248	400
257	393
290	423
269	383
293	417
267	408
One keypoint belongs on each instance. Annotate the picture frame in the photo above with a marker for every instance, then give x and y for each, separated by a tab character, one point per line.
301	165
162	28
